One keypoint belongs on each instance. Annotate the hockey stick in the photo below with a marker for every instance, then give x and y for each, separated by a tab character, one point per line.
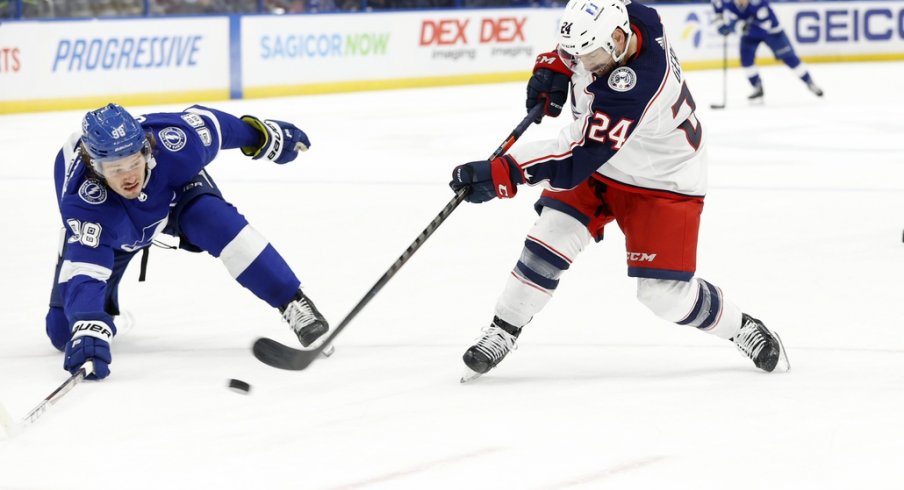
282	356
13	427
724	75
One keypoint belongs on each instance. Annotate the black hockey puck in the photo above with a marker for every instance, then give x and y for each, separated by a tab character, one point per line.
239	386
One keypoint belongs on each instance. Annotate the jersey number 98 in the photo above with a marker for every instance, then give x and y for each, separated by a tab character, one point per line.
88	234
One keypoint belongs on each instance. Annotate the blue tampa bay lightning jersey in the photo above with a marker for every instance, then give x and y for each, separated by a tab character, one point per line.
758	15
98	221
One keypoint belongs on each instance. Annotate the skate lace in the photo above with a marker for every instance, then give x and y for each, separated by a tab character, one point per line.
496	342
299	314
750	340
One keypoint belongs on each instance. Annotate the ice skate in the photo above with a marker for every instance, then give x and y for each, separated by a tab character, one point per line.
812	87
497	341
756	97
307	323
765	348
124	321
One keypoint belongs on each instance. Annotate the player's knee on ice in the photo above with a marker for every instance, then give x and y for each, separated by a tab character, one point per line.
57	328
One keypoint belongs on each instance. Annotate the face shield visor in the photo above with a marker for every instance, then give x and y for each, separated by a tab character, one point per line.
598	62
117	166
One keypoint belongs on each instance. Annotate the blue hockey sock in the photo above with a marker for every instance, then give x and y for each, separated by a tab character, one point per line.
216	227
269	277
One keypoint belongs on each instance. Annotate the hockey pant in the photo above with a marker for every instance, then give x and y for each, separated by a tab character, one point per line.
555	241
203	220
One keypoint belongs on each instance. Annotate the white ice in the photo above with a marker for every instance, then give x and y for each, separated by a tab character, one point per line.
802	228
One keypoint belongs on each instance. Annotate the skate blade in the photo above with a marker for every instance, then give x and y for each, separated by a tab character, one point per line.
124	322
783	361
328	351
469	376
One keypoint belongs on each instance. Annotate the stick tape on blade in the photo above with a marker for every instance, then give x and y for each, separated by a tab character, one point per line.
7	424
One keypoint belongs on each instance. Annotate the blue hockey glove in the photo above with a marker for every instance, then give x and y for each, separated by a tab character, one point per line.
485	179
90	342
280	141
548	85
727	28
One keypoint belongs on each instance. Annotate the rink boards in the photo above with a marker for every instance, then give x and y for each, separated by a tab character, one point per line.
52	65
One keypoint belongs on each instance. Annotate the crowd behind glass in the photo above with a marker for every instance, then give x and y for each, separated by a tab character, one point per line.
35	9
30	9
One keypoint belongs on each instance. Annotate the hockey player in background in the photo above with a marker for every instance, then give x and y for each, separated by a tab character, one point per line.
636	154
760	25
122	180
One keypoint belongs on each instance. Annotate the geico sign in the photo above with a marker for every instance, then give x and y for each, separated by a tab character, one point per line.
448	32
845	25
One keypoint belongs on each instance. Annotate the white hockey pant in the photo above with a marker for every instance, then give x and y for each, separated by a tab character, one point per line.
550	248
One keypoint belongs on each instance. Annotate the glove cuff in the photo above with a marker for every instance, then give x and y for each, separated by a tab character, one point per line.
506	176
551	61
97	326
271	139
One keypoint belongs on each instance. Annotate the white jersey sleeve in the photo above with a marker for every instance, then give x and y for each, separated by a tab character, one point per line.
635	127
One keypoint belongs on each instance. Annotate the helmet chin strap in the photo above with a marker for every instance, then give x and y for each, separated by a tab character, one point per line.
151	163
618	58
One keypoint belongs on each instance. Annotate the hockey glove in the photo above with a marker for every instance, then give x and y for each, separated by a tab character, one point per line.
90	342
280	141
485	179
548	85
727	27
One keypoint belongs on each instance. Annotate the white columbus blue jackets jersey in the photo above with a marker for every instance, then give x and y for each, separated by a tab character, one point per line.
635	127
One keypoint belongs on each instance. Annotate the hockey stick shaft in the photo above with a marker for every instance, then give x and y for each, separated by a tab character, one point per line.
437	221
724	74
724	70
32	416
264	348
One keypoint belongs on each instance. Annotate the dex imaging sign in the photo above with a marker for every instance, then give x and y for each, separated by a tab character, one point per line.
447	32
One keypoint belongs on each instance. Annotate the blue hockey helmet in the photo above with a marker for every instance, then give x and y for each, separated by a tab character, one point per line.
110	133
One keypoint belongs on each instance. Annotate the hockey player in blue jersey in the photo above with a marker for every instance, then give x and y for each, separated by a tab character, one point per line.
120	181
760	25
635	153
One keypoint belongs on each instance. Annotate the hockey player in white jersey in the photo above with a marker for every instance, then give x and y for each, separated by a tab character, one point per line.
634	154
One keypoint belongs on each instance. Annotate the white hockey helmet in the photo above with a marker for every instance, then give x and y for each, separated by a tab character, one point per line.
587	26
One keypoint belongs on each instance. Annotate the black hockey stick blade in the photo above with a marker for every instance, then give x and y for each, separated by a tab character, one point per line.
273	353
278	355
717	106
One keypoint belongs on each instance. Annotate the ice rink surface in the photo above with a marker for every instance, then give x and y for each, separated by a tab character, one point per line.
802	228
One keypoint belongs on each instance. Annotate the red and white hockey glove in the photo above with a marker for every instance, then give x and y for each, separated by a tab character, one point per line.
486	179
